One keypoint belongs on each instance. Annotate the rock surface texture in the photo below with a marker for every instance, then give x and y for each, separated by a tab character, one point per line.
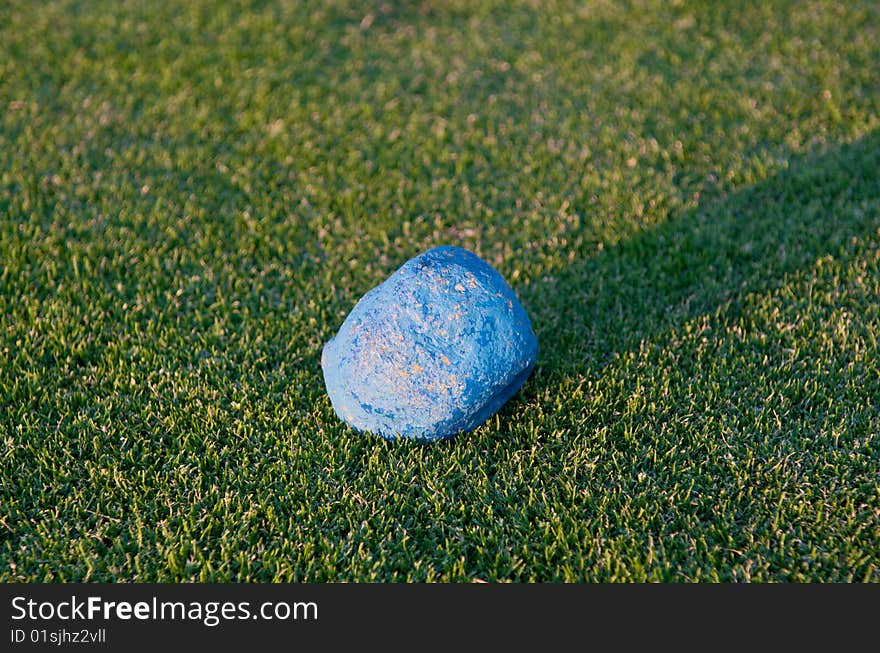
434	350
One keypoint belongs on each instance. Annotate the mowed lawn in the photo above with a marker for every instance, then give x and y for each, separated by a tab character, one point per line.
684	195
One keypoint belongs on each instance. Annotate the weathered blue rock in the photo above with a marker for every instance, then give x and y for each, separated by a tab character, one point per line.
434	350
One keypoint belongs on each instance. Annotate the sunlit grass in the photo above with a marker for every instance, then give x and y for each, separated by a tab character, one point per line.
685	196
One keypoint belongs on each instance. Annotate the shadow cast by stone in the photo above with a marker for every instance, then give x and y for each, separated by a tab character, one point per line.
607	304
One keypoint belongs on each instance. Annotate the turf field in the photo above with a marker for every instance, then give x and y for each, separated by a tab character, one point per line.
684	195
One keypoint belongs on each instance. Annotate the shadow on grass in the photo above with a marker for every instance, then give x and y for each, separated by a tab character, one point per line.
712	256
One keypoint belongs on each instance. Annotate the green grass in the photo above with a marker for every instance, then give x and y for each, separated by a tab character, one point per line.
685	196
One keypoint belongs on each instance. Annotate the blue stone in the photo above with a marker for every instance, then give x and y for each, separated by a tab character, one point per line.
435	350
